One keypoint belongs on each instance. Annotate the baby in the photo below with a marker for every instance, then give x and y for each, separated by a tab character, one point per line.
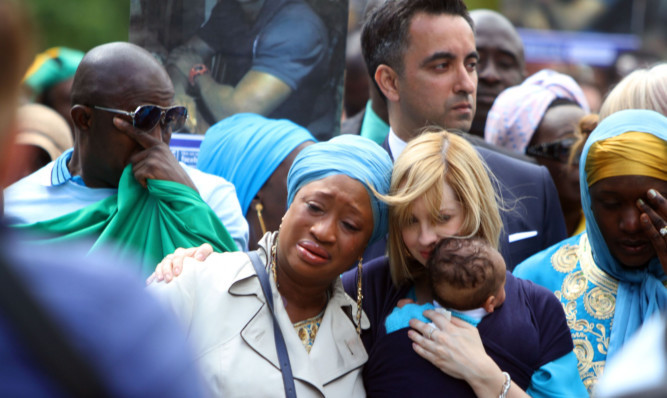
467	277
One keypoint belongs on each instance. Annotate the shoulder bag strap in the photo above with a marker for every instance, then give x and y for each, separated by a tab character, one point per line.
283	357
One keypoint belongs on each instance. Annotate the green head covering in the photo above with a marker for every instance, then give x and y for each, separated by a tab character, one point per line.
51	67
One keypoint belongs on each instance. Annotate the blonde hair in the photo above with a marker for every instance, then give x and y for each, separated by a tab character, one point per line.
583	129
641	89
420	171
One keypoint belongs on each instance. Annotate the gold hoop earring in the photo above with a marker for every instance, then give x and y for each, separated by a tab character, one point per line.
359	296
258	209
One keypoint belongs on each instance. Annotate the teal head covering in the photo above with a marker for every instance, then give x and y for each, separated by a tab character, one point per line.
51	67
351	155
640	291
245	149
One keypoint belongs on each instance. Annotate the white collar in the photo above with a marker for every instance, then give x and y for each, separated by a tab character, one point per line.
477	313
396	145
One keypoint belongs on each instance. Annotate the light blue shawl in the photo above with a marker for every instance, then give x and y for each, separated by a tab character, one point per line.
353	156
245	149
640	291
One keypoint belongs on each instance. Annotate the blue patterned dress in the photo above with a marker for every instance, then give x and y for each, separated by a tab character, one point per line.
604	302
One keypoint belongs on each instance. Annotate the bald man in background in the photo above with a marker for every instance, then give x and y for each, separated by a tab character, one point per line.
123	113
501	61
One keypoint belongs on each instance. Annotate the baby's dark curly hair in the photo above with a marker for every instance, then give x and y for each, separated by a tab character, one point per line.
464	265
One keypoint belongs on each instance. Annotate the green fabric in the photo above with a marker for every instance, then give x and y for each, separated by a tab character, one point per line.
141	223
51	67
373	127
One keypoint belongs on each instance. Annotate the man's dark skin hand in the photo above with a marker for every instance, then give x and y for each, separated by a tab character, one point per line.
155	160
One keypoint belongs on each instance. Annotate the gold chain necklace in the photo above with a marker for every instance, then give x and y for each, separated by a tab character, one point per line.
273	261
275	278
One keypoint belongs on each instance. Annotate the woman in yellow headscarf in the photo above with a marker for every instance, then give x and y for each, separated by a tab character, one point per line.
611	278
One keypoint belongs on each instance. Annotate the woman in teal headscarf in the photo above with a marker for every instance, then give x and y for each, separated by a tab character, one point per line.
332	216
611	278
49	79
254	153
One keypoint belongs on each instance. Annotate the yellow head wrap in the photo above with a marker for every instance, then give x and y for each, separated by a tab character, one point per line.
632	153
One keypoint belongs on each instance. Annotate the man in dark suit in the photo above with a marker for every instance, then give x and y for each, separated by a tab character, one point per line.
422	58
501	65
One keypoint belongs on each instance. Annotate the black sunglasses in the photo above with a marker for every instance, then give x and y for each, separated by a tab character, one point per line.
557	150
146	117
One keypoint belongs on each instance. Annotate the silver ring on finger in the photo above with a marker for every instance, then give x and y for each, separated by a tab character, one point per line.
663	231
430	333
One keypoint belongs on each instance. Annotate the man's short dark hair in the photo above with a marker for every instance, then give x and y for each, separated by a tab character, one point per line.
385	33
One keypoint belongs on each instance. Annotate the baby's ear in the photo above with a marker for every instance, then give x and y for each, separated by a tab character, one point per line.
490	304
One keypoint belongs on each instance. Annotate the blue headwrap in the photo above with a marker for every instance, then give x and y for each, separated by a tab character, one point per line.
354	156
640	291
245	149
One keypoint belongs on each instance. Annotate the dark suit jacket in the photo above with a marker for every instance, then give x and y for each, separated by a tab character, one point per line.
534	220
353	124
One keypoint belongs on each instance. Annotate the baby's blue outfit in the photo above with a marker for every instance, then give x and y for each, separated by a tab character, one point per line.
400	317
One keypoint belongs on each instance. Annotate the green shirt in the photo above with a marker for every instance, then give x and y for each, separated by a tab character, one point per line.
140	224
373	126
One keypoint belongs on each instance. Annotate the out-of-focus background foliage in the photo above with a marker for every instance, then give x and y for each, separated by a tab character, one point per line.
80	24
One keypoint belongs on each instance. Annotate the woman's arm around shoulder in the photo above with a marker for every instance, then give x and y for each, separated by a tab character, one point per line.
196	279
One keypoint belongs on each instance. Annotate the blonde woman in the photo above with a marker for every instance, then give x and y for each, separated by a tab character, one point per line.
644	88
441	188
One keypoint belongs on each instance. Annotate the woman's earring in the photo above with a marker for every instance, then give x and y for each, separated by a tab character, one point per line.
359	296
258	209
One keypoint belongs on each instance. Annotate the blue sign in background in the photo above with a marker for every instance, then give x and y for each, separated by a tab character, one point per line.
595	49
185	147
